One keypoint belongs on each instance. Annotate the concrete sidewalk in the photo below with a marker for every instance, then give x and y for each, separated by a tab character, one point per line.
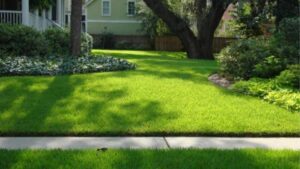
147	142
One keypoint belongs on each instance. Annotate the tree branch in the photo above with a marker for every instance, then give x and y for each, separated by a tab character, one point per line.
176	24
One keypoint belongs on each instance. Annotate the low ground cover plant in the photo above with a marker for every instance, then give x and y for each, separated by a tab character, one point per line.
61	65
270	91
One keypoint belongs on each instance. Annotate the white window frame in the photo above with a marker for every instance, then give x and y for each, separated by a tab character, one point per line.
102	7
134	1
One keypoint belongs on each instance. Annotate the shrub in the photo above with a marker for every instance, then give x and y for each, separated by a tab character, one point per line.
285	98
86	44
285	42
289	31
269	91
59	65
104	41
19	40
269	67
255	87
58	41
290	77
239	59
264	58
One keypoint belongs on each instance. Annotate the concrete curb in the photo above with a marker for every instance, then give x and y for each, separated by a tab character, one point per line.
147	142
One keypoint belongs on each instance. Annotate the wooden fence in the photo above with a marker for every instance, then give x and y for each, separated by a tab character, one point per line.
122	42
172	43
163	43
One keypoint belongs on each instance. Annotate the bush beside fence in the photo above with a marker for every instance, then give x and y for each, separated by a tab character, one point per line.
161	43
172	43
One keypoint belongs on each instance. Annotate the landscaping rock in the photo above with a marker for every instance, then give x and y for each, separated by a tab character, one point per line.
220	81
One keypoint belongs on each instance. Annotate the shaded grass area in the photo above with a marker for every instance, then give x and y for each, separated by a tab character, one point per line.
149	159
166	95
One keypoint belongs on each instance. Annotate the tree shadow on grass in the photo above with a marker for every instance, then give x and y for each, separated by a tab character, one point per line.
148	159
54	107
214	159
36	104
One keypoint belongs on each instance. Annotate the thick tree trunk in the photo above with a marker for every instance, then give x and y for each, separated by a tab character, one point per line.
197	47
178	26
206	47
75	47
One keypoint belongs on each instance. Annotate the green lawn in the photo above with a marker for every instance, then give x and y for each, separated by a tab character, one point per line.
167	94
150	159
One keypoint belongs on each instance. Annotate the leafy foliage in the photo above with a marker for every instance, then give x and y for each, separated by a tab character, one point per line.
286	9
269	67
152	25
260	57
270	91
239	59
19	40
58	41
251	15
285	98
290	77
255	87
58	65
40	4
285	41
257	17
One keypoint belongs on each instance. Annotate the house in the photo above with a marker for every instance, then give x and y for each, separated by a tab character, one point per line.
20	12
68	14
116	16
108	16
224	26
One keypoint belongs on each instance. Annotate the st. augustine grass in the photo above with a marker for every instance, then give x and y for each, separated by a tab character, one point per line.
166	95
149	159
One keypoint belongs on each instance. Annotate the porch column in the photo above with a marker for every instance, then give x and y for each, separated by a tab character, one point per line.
44	19
25	13
50	13
36	19
59	12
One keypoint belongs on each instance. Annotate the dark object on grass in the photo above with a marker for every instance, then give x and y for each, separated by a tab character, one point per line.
104	149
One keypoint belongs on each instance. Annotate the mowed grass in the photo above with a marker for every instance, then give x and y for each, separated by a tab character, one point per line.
166	95
150	159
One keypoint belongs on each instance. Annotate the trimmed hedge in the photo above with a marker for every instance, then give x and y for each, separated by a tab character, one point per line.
23	65
20	40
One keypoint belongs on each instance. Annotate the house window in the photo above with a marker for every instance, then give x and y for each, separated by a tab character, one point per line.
131	7
105	7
